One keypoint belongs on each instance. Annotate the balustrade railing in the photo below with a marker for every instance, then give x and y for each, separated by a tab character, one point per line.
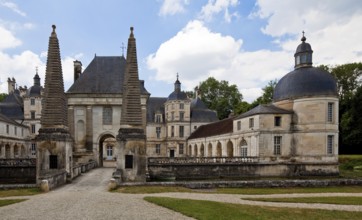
18	162
201	160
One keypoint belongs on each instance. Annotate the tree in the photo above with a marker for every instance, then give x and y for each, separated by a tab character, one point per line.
220	96
267	96
2	96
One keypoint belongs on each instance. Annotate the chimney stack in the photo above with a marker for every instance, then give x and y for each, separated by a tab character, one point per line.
77	69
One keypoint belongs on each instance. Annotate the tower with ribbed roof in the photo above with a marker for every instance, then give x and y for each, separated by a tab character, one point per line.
54	151
131	161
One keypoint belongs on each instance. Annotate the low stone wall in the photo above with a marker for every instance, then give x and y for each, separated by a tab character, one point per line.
252	183
54	179
17	171
219	168
83	168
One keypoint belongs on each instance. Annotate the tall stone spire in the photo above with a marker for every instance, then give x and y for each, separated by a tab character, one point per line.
131	102
54	114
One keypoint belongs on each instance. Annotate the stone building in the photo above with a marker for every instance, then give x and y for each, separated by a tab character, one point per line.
299	129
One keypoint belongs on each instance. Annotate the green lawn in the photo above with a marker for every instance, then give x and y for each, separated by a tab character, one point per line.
151	189
324	200
19	192
10	201
215	210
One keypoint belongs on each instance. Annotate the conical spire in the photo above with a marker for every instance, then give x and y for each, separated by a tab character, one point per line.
54	114
131	102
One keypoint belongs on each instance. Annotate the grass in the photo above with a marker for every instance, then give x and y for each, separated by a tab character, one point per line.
19	192
347	165
10	201
215	210
245	191
325	200
151	189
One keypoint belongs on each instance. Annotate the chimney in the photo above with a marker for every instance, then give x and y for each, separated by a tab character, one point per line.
11	85
77	69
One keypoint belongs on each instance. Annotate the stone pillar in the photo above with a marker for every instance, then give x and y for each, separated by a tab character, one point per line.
12	151
71	120
89	129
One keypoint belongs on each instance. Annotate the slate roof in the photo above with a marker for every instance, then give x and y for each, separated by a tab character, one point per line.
104	75
177	95
200	113
34	91
264	109
13	106
10	121
155	104
305	82
213	129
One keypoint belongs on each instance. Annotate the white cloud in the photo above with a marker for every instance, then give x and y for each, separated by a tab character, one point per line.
13	7
217	6
197	53
172	7
333	28
8	40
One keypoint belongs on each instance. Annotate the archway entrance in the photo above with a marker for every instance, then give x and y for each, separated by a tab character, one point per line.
107	151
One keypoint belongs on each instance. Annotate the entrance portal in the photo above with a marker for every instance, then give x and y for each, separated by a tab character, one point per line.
107	151
172	153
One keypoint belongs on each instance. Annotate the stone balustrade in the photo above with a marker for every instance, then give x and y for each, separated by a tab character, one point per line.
31	162
201	160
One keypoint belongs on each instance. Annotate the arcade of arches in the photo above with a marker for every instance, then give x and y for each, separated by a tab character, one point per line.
11	150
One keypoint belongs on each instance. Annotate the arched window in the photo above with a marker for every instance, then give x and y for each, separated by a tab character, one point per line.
243	148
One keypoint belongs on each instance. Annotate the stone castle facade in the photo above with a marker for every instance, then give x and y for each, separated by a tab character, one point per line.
112	119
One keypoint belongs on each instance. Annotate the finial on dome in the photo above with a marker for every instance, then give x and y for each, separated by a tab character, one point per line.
303	38
177	76
131	28
54	27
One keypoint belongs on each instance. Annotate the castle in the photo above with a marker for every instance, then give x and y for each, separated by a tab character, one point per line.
107	116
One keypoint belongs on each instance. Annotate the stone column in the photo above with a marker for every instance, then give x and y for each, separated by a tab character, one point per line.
71	120
89	129
12	151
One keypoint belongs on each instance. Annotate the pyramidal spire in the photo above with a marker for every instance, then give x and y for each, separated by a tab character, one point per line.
131	101
54	114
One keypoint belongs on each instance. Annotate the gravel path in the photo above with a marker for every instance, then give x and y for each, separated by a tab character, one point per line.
87	198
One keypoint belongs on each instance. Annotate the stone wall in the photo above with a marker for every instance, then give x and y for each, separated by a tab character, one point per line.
17	171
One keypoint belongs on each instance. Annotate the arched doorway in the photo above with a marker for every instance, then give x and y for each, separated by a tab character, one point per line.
218	149
190	150
7	151
202	150
209	150
107	150
195	150
230	149
243	148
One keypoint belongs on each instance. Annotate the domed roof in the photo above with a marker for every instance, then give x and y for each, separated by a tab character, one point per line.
177	94
35	90
305	82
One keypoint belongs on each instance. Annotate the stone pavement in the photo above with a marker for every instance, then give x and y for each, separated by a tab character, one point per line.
87	198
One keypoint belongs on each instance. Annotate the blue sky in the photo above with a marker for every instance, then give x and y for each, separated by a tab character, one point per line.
245	42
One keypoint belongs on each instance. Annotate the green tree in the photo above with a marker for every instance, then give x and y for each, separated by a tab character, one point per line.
267	96
220	96
2	96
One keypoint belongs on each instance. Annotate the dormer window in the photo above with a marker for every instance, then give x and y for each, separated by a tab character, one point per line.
158	118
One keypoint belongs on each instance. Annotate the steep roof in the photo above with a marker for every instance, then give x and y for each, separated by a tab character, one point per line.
213	129
10	121
200	113
264	109
12	106
155	104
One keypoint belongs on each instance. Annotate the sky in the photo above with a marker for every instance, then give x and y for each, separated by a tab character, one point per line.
245	42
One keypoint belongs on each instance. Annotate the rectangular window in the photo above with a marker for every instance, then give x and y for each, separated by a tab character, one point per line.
7	129
158	132
15	130
181	149
172	131
129	161
181	131
277	145
53	162
107	115
251	122
158	119
32	101
277	121
172	116
239	125
22	132
181	105
182	115
330	139
33	149
244	152
330	112
158	148
33	129
32	115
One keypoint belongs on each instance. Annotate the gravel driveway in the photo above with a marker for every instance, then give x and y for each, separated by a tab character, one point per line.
87	198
